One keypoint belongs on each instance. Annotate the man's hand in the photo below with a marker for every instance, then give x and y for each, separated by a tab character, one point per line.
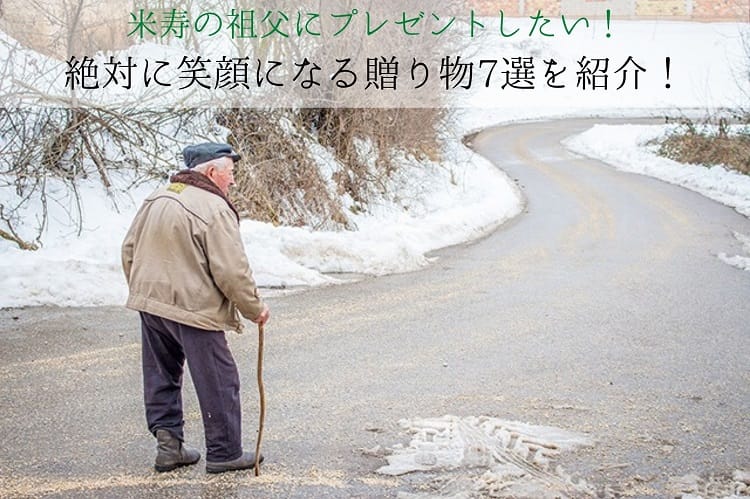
264	316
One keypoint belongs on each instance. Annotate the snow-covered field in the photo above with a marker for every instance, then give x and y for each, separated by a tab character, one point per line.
431	205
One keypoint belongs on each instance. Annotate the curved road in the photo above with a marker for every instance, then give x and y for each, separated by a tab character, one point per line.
601	309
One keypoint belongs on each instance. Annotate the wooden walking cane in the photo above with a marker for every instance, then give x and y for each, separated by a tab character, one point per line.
262	393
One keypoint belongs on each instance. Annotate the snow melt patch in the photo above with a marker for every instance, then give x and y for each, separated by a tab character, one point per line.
692	486
491	457
739	261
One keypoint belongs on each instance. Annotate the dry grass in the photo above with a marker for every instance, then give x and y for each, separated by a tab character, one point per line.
413	131
279	182
708	146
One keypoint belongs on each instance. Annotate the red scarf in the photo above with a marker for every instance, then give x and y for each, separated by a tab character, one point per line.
197	179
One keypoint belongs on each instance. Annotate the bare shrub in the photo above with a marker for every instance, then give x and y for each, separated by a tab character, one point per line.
412	131
61	28
711	141
278	181
715	145
71	145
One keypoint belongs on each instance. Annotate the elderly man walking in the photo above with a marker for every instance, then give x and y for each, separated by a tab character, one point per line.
190	280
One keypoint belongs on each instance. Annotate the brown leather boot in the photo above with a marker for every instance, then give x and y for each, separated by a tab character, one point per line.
171	453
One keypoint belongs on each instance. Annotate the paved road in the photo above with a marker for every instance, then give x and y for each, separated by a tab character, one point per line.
602	309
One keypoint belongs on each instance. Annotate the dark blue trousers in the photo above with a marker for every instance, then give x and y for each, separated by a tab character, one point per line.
166	346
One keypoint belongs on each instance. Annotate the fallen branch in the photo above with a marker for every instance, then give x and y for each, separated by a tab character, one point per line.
11	236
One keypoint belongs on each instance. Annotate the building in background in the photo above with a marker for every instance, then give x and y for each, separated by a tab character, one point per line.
694	10
60	28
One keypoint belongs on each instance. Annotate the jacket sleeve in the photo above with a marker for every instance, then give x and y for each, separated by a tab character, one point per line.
128	244
229	266
128	248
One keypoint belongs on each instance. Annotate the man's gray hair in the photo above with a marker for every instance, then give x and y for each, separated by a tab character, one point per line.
218	163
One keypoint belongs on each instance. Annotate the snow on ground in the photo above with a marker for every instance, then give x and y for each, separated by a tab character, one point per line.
631	148
708	71
432	205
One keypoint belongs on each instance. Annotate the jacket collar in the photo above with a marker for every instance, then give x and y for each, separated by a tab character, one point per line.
197	179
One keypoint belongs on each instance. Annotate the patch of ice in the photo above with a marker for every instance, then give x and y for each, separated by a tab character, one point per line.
492	457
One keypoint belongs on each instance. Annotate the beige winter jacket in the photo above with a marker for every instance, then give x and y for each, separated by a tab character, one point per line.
184	260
